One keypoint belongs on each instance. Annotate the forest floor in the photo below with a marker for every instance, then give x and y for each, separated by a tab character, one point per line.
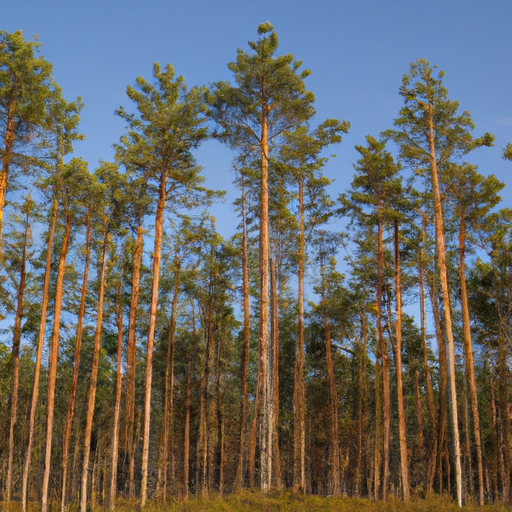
249	501
254	501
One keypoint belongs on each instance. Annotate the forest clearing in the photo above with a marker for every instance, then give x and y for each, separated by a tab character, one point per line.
333	352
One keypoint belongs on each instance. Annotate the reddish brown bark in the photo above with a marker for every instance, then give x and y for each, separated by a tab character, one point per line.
16	364
91	397
76	365
52	365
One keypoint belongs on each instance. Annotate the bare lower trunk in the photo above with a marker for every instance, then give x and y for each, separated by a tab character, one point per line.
299	395
130	438
16	366
151	337
76	365
441	253
186	435
275	375
468	356
264	383
117	406
52	365
244	363
168	419
93	377
402	434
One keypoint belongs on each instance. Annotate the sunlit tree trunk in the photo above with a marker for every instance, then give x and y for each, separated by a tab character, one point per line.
91	396
117	403
299	395
264	384
468	356
402	434
443	277
159	219
52	364
244	363
76	365
16	364
131	352
168	419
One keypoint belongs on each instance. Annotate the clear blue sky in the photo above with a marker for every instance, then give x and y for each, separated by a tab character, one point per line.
357	51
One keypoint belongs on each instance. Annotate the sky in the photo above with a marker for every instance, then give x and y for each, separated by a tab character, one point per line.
357	52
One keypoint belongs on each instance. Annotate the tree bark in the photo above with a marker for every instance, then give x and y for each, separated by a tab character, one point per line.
299	395
162	193
264	384
402	434
16	364
76	365
441	253
131	352
52	364
168	419
468	356
6	158
94	375
244	363
117	403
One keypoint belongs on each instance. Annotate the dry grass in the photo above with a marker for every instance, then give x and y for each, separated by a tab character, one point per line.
253	501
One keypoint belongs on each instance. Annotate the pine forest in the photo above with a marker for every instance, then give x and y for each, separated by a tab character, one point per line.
145	359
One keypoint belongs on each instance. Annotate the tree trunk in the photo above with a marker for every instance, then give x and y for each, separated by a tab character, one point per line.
244	363
168	419
441	253
93	376
52	364
468	356
117	403
382	355
162	192
265	430
299	395
16	364
76	365
186	435
362	405
404	466
131	352
275	375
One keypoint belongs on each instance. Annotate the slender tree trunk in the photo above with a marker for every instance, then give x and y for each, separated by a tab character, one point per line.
382	355
76	365
52	364
151	336
334	455
219	455
468	356
299	395
16	364
402	434
441	253
265	430
275	375
93	377
168	420
443	391
117	403
131	352
244	363
186	435
420	445
361	417
504	415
